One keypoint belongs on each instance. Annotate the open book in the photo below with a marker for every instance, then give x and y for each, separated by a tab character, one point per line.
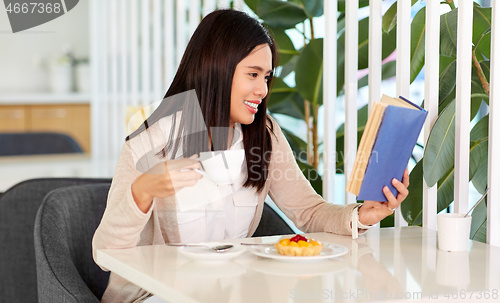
391	132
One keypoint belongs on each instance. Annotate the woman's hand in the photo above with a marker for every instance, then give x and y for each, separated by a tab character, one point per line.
373	212
164	180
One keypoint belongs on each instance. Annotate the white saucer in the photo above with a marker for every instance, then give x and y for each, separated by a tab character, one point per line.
207	255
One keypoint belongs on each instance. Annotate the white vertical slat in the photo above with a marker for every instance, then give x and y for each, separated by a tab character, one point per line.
105	92
351	91
157	79
124	51
194	15
221	4
403	67
493	228
134	53
329	98
432	19
180	17
115	133
240	4
208	6
462	118
374	52
169	48
145	55
96	68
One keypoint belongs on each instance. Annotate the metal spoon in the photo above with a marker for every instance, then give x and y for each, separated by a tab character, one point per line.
477	203
218	248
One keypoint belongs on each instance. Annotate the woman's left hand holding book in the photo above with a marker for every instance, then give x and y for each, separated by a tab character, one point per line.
373	212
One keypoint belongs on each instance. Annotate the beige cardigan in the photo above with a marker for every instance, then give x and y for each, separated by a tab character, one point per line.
124	225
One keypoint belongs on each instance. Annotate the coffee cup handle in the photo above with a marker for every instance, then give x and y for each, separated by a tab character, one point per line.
200	172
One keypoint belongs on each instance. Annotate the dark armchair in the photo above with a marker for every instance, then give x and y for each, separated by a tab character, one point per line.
18	208
64	227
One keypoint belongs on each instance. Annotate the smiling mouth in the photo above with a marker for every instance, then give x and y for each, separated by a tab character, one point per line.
253	105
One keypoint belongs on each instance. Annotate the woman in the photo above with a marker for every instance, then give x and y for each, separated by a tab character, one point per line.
227	66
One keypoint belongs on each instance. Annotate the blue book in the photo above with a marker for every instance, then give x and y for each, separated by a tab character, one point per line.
385	148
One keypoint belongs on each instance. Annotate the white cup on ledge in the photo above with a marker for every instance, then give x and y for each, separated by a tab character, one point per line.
453	232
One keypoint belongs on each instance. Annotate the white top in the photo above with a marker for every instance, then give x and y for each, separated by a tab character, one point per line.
225	211
209	212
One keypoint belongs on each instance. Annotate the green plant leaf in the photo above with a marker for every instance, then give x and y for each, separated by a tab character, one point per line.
387	221
279	92
411	208
417	44
484	45
341	4
480	179
479	134
312	175
440	148
289	67
479	215
292	106
448	33
388	47
339	146
477	95
480	131
480	234
481	22
252	4
390	18
309	72
388	71
313	8
285	46
446	189
447	78
388	43
447	101
282	14
340	64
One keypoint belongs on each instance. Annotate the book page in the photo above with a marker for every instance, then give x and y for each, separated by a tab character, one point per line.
396	102
365	148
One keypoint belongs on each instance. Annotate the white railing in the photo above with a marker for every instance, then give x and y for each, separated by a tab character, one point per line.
136	46
431	97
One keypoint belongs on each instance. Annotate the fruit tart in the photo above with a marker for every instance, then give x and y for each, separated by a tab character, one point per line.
298	246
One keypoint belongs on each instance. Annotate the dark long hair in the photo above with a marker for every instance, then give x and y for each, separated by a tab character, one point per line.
221	41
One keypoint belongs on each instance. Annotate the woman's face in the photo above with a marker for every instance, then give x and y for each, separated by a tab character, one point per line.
250	85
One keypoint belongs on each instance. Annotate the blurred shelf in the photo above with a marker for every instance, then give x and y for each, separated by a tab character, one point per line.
44	98
15	169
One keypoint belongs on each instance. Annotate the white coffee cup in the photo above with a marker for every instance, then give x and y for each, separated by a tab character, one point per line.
223	167
453	232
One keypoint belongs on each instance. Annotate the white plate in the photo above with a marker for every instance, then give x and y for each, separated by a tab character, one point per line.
207	255
330	250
